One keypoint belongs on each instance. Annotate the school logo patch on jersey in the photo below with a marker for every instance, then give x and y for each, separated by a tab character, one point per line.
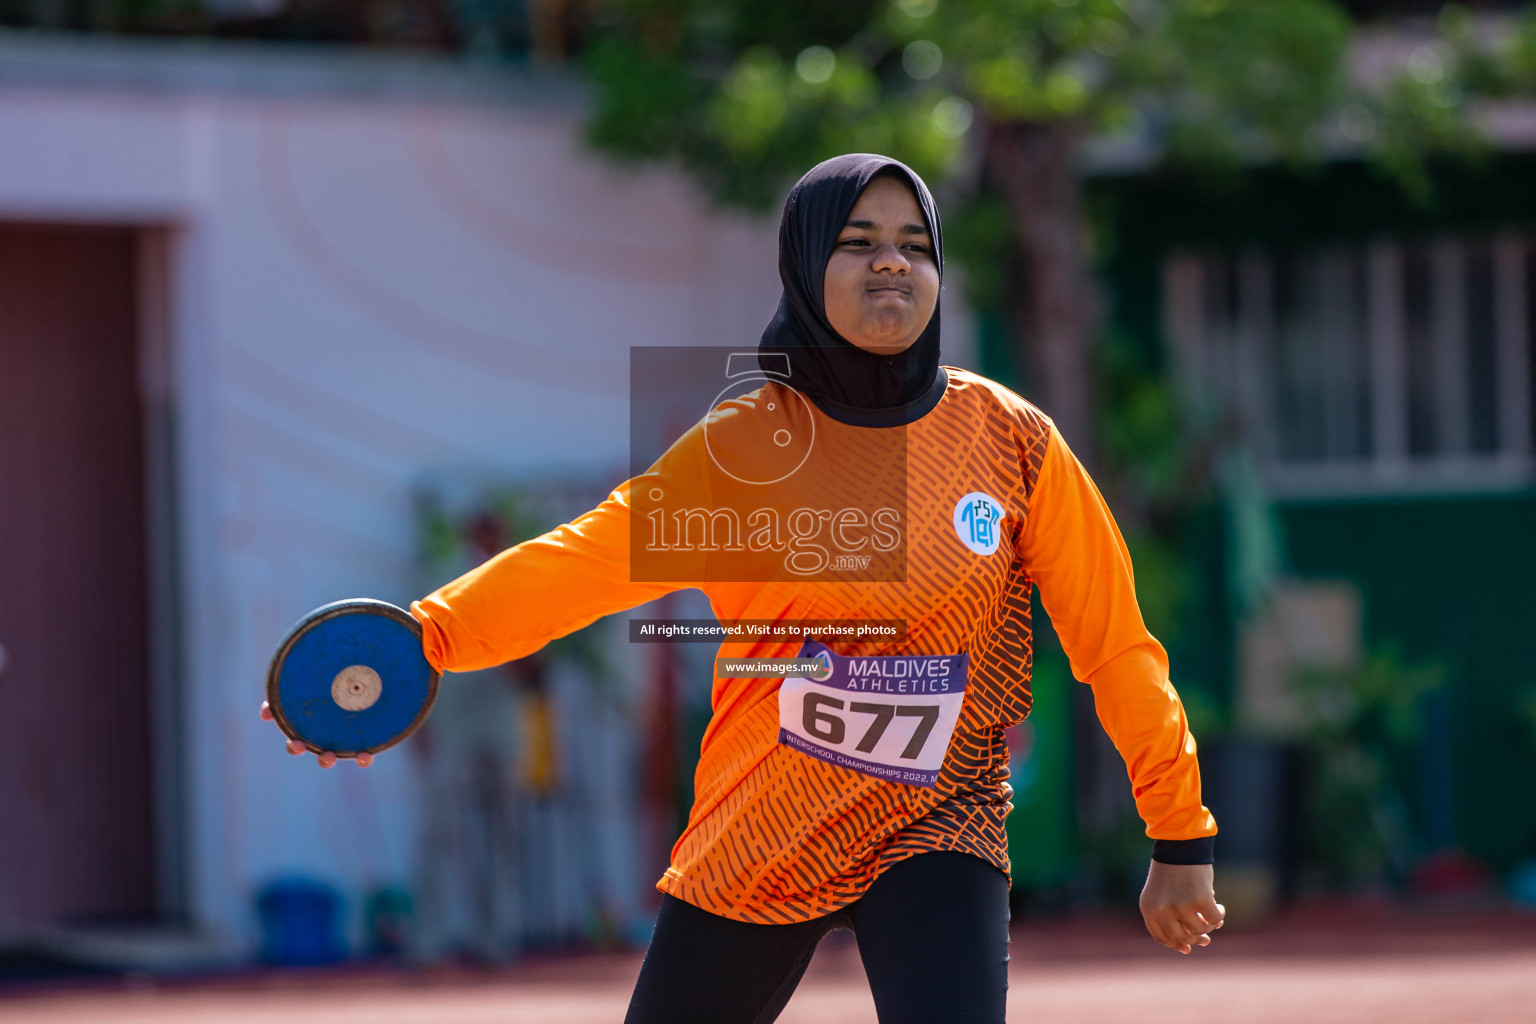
979	522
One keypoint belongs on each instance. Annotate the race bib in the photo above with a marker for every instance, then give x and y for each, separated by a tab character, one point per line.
889	716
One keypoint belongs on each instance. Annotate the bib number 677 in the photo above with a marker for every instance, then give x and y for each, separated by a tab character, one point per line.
830	727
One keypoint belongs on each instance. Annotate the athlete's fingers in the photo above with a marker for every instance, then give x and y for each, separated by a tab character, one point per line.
1195	925
1203	917
1168	920
1159	930
1175	928
1155	927
294	747
327	760
364	759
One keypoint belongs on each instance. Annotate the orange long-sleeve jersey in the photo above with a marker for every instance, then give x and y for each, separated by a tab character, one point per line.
777	834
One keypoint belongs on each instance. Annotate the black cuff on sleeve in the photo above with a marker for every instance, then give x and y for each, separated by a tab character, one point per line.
1185	851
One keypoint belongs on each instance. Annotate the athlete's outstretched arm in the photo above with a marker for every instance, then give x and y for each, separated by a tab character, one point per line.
1074	552
543	588
551	585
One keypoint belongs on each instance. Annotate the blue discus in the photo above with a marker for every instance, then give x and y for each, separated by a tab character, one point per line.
351	677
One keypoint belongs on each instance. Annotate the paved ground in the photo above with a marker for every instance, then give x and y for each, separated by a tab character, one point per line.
1313	967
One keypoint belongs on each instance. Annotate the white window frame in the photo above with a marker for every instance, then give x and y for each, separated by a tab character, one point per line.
1224	363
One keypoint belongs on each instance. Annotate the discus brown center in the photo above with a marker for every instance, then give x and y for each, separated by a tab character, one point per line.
356	688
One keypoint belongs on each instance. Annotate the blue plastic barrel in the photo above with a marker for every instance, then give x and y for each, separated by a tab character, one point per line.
300	923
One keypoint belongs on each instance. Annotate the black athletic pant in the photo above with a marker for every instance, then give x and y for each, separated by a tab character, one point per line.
932	932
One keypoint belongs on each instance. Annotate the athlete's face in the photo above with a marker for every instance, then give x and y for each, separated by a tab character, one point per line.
882	279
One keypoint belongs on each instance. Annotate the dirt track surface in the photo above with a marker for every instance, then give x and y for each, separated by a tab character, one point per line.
1315	970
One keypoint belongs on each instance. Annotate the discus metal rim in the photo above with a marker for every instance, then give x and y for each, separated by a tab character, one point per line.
319	616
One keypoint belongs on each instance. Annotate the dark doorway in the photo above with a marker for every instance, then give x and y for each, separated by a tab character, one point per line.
76	833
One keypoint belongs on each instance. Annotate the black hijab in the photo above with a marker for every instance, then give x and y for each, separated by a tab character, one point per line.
846	382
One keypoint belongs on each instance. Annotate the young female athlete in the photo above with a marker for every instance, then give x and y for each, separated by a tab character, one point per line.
871	794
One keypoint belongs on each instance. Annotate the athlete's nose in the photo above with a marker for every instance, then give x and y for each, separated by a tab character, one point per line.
889	259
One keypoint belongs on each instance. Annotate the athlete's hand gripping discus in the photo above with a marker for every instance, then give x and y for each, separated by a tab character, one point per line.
350	678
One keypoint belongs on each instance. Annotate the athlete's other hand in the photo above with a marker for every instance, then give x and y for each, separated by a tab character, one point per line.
326	758
1179	905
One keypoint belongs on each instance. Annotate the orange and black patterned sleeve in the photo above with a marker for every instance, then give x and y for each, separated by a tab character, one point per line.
1073	550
